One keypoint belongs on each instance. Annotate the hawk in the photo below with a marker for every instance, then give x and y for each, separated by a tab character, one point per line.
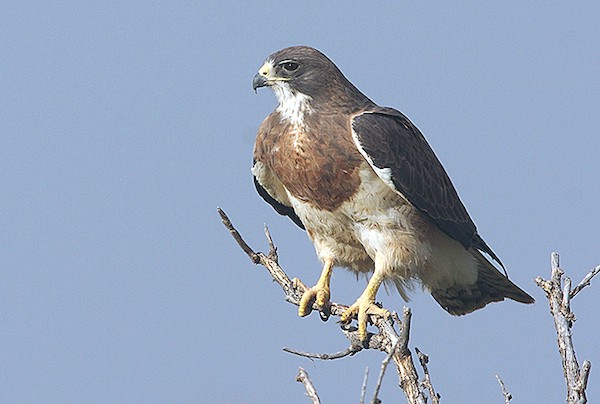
369	191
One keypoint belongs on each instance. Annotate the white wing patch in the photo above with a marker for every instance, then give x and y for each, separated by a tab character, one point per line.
384	173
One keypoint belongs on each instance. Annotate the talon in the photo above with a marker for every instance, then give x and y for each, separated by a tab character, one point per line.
305	307
316	294
322	297
362	309
324	313
299	285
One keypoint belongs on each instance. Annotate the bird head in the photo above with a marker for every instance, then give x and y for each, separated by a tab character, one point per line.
302	73
297	68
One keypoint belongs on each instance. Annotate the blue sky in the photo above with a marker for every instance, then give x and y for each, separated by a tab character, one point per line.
125	124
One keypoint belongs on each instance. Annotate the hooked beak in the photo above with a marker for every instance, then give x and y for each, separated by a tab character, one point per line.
264	77
259	81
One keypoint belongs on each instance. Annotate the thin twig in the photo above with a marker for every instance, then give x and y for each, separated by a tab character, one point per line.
585	281
237	237
351	350
505	393
311	392
424	360
384	365
272	248
363	389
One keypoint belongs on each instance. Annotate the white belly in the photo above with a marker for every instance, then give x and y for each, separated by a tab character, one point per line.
378	223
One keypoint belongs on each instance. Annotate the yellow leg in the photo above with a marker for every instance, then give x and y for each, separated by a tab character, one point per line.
365	306
318	294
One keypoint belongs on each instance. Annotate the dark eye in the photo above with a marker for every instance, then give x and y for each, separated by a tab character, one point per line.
290	66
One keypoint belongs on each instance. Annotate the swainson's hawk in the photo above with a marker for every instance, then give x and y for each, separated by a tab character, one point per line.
369	190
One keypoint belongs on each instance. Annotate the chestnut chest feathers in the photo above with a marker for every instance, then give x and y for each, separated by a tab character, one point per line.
315	166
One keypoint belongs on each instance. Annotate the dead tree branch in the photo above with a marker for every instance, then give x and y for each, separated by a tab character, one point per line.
586	281
351	350
363	390
311	392
385	340
559	296
505	393
424	360
384	366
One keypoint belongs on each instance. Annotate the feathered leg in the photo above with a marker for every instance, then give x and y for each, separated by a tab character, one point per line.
365	304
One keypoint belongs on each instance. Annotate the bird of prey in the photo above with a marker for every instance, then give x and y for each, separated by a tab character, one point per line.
369	191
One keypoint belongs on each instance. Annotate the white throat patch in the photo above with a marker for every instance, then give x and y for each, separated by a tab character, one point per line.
292	105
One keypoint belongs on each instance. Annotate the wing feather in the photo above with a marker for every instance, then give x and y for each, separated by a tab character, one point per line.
280	206
401	156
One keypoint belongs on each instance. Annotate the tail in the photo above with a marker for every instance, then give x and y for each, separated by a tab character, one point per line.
491	286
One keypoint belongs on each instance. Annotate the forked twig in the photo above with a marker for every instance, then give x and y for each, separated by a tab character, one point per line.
559	296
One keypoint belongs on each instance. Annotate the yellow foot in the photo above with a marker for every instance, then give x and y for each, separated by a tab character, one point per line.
363	308
318	294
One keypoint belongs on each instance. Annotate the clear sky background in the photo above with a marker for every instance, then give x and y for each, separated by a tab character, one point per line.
123	125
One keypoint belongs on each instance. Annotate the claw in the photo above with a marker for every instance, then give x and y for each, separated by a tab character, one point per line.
363	309
317	294
299	285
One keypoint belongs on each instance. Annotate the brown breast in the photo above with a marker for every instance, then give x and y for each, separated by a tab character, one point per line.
317	162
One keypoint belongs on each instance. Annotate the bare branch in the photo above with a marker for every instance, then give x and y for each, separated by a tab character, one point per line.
311	392
237	237
363	390
407	372
384	340
384	365
424	360
585	374
585	281
405	332
272	248
559	296
351	350
566	295
505	393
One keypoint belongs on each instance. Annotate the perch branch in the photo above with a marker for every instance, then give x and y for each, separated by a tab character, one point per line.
384	340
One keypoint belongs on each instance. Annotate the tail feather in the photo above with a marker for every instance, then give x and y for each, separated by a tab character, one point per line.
491	286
